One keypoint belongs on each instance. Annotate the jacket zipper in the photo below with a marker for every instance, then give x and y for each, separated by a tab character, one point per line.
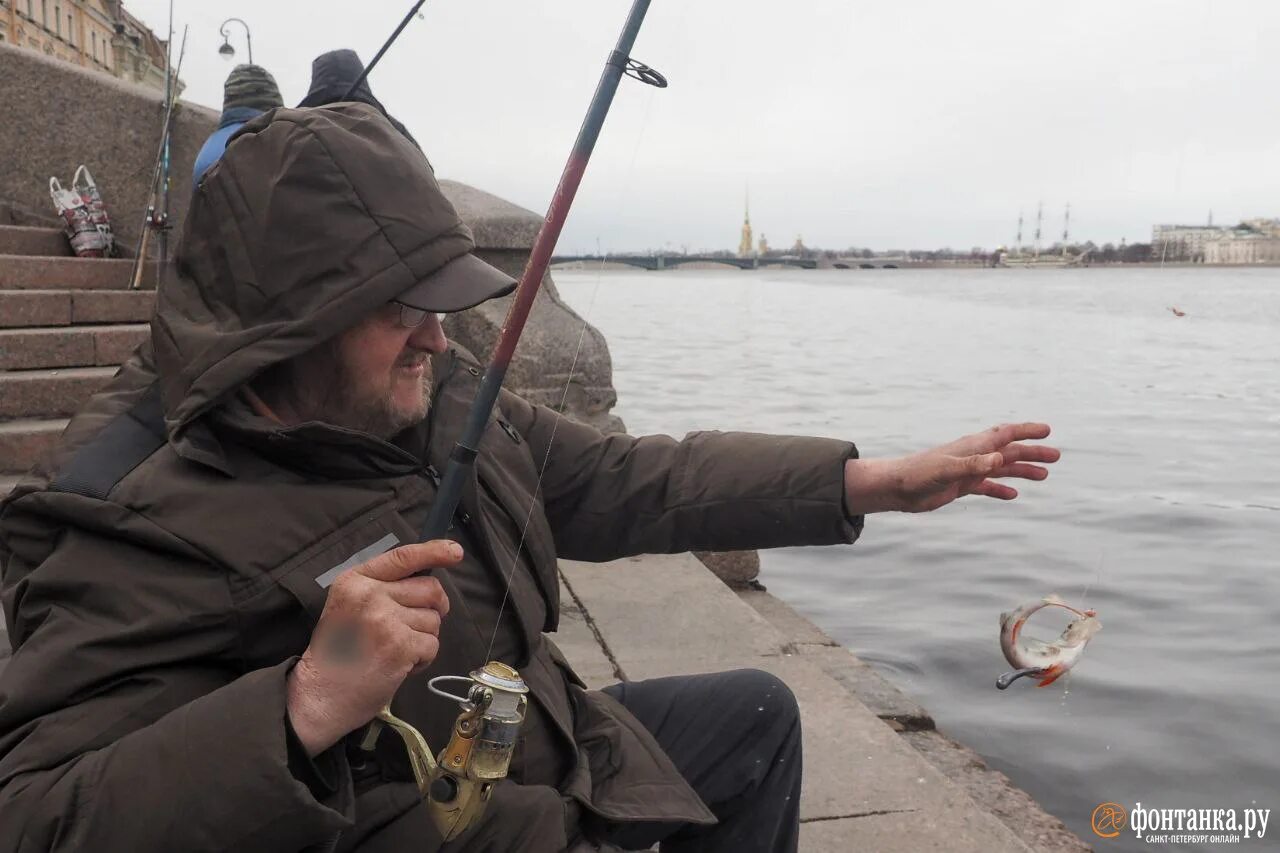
429	470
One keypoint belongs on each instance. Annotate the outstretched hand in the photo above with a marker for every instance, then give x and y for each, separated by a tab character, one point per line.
934	478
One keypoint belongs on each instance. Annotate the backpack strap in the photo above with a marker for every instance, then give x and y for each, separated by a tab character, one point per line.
119	447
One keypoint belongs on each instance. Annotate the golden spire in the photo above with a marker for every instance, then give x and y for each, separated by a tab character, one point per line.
745	245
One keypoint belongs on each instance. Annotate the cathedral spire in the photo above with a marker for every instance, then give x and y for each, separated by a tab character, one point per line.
746	247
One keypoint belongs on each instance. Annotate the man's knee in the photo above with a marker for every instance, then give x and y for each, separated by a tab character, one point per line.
767	695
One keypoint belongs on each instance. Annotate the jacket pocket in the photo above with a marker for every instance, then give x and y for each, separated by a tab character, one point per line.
308	575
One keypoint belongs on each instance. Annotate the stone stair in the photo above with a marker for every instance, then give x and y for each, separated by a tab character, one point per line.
66	324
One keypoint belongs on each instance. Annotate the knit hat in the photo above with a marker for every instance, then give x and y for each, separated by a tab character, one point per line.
251	86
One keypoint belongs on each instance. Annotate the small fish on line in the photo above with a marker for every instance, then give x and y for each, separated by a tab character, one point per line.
1036	658
1177	312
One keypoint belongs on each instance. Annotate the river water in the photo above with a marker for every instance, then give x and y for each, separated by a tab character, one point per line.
1163	514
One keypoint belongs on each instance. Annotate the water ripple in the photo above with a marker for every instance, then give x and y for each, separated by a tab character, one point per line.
1161	514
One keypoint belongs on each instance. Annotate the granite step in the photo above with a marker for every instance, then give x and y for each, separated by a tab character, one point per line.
37	308
23	441
30	272
864	787
75	346
7	483
49	393
25	240
12	213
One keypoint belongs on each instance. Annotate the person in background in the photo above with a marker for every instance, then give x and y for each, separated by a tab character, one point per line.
250	91
332	76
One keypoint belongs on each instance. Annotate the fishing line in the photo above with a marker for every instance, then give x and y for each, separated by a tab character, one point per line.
1097	577
461	466
626	189
582	333
1084	595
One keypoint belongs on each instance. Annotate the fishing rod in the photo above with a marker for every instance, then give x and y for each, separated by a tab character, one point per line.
140	251
457	786
149	219
462	459
164	170
382	50
164	156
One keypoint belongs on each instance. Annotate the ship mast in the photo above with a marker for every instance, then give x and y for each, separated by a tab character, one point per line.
1018	242
1039	218
1066	229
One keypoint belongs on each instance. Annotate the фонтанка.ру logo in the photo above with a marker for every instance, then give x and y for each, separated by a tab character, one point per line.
1181	826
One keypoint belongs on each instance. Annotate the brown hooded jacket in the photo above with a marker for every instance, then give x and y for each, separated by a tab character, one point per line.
164	567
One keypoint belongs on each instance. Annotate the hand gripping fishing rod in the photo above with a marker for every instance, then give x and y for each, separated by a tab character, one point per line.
458	785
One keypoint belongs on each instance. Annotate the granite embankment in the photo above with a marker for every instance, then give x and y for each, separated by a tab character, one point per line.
878	776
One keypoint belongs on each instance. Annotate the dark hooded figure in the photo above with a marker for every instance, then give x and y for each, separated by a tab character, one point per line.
332	75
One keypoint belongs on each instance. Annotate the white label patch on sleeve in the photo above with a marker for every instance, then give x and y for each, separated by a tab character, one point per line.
364	555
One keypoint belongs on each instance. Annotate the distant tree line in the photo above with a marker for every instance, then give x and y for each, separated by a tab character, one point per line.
1110	253
1107	253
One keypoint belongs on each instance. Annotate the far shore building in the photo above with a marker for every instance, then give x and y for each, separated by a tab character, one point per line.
1183	243
1243	246
97	34
1270	227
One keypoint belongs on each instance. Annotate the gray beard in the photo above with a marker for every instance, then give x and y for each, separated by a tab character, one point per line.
323	389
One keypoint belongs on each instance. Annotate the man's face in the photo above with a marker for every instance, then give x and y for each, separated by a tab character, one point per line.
375	377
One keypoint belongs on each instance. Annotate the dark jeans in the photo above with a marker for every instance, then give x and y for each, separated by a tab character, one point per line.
735	737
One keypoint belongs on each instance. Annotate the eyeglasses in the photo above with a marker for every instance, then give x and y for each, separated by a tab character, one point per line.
410	317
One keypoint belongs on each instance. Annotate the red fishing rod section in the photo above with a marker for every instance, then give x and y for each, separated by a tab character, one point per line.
464	452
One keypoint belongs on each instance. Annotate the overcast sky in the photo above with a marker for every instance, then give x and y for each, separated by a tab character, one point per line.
883	123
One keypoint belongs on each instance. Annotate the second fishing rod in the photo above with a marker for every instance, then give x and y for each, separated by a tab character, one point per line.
156	216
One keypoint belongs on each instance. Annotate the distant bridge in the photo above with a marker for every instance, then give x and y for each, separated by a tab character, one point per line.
662	262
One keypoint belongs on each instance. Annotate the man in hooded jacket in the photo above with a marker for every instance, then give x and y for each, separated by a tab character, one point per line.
208	582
